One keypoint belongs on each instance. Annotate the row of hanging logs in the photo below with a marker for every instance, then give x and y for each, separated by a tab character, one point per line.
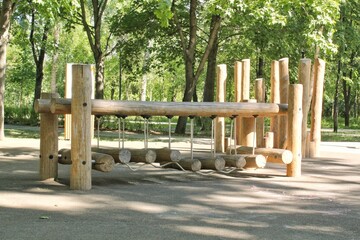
104	159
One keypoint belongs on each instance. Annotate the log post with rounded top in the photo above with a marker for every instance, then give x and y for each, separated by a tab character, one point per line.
294	129
220	97
275	98
305	80
48	142
284	88
316	108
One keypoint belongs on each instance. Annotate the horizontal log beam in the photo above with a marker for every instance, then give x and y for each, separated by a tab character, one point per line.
141	108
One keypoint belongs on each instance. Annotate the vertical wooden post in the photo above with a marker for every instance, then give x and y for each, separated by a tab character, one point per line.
316	107
275	98
48	142
238	84
260	98
305	80
220	97
294	129
80	178
245	80
247	130
284	88
247	124
68	94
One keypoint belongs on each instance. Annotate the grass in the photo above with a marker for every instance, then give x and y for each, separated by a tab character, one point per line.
135	134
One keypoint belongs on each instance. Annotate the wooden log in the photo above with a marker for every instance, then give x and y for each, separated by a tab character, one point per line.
187	164
197	109
273	155
237	161
237	84
80	177
48	142
275	98
65	156
164	155
103	162
119	155
215	163
294	129
316	108
248	133
304	76
68	94
260	97
143	155
284	89
220	97
100	161
255	161
269	140
245	81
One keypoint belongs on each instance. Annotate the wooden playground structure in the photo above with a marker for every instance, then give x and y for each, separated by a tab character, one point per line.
249	146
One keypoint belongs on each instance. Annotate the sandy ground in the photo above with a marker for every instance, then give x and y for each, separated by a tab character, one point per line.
154	203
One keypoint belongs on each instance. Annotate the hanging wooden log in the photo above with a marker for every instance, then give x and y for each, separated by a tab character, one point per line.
197	109
215	163
119	155
143	155
273	155
237	161
100	161
164	155
187	164
65	156
255	161
103	162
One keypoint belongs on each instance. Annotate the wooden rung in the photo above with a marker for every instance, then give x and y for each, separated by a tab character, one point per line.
143	155
164	155
237	161
273	155
255	161
119	155
215	163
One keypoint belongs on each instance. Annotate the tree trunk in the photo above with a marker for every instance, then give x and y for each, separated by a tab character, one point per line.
6	11
99	77
55	58
347	99
260	70
336	98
